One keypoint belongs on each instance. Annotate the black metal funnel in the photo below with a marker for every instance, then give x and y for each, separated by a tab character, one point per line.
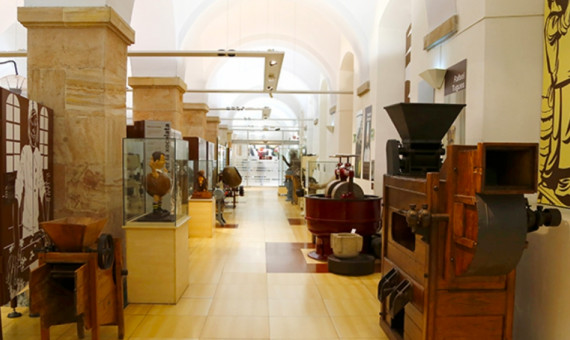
419	123
421	127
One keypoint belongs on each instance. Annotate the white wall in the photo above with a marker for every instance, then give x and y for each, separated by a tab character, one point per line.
387	78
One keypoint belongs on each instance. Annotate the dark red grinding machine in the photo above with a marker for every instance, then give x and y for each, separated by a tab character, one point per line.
341	209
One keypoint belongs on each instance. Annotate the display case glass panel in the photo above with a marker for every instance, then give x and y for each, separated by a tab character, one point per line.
222	157
155	179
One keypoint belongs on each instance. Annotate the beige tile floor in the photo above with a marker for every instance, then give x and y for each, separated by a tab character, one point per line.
231	296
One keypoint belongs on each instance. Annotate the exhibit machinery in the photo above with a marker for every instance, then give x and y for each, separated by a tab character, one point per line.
342	208
26	182
453	232
79	278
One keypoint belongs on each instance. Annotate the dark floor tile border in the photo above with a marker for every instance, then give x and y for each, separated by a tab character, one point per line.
282	257
227	226
296	221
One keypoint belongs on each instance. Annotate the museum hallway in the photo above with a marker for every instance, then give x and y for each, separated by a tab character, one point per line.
250	281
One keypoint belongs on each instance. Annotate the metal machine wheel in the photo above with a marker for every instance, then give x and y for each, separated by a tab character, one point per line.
105	251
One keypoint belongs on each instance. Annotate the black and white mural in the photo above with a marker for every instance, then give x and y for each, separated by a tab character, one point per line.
26	183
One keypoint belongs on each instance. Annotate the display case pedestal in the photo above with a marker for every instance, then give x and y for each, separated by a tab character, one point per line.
157	260
203	212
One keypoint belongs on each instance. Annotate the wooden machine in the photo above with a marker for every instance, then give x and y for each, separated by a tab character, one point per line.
453	232
80	280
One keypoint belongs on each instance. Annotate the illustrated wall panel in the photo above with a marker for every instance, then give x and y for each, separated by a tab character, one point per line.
26	181
554	159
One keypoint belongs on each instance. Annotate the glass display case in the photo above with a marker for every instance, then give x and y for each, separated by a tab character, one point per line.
320	174
212	165
155	179
222	157
210	171
201	157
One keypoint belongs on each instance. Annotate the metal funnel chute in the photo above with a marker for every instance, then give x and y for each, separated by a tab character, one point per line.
421	127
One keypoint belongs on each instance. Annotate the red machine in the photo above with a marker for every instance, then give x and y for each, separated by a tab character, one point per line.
343	208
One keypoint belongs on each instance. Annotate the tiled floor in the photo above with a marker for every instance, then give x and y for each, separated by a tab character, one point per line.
237	292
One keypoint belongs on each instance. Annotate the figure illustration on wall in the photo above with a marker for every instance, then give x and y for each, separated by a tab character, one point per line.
27	180
30	185
157	183
554	167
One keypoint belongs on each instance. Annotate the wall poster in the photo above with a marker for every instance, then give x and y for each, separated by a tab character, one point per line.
357	140
554	155
26	180
367	137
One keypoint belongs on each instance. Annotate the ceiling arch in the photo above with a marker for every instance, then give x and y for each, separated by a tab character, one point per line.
314	34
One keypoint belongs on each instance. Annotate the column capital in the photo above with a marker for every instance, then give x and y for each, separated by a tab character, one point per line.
201	107
213	120
141	82
76	17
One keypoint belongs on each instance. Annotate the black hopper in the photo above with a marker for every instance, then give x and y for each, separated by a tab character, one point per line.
421	127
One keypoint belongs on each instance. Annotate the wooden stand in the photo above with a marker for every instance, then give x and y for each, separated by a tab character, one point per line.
433	285
71	287
203	221
157	258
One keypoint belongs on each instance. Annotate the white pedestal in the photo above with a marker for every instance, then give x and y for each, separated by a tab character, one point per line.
157	261
203	213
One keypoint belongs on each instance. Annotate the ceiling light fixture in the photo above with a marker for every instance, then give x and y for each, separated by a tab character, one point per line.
14	82
273	62
272	71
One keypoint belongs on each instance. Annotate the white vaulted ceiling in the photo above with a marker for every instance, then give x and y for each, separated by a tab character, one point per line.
313	34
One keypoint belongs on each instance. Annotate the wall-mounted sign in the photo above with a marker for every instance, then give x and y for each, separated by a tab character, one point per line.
456	77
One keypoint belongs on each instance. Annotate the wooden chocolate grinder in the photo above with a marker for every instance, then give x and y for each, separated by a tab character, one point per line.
453	232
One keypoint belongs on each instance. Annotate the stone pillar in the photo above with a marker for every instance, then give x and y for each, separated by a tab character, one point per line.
223	134
158	98
77	65
229	138
194	120
212	129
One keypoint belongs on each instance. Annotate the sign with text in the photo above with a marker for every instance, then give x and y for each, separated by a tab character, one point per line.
456	77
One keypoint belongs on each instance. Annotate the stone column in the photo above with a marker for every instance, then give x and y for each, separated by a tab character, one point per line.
158	98
212	129
223	134
194	120
77	65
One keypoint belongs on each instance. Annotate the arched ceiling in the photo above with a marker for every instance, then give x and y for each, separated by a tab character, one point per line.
313	34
